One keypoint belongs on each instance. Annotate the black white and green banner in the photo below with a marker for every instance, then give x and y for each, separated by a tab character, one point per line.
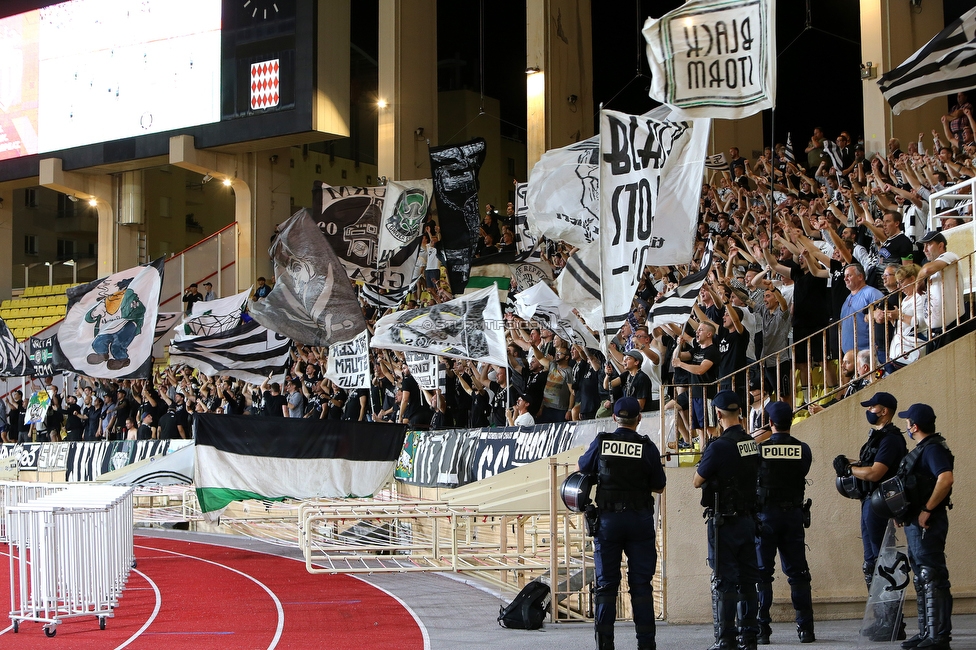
246	457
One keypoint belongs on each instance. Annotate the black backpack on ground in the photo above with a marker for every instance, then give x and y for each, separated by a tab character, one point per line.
529	608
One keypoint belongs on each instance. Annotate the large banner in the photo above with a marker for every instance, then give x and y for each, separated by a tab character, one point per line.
641	224
714	58
14	361
312	301
468	327
455	169
110	325
563	195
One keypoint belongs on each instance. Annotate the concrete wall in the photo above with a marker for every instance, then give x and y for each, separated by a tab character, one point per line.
944	380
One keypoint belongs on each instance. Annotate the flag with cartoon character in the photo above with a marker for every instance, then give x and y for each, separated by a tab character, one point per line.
313	302
109	326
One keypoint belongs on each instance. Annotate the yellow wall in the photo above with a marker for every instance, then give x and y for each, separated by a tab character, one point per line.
944	380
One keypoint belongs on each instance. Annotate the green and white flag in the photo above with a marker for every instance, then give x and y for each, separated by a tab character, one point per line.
244	457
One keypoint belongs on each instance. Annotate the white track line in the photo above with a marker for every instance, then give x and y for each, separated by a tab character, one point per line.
152	617
423	628
277	602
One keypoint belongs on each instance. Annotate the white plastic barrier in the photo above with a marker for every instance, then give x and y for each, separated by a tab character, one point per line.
14	493
81	552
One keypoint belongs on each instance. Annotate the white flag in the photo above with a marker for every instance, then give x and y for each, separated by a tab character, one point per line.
348	363
468	327
641	224
212	317
563	197
539	303
714	58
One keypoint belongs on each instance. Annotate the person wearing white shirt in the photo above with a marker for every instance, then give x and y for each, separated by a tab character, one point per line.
946	304
519	415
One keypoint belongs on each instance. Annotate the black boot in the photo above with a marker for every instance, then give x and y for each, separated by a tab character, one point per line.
922	616
804	629
604	637
723	607
765	592
938	605
748	607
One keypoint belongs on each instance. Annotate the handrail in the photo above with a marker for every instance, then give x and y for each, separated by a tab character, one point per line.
960	318
202	241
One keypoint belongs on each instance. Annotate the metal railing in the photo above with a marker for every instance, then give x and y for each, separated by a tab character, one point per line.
212	259
887	336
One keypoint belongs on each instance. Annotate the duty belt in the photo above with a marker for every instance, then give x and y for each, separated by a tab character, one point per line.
620	507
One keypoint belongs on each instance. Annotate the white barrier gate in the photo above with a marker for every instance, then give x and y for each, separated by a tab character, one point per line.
72	554
14	493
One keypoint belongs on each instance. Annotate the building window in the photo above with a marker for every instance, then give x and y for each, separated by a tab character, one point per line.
30	198
511	167
66	207
30	245
66	249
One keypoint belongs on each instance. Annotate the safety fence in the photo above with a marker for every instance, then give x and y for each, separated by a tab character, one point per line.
71	554
877	337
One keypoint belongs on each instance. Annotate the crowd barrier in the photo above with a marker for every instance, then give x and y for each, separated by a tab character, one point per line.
85	461
72	555
14	493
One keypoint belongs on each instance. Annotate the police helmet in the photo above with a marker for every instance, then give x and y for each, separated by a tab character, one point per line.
850	487
575	491
889	500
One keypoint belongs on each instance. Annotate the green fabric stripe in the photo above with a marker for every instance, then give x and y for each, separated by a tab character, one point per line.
216	498
480	282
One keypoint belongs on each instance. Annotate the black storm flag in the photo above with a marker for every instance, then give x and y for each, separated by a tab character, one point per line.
455	170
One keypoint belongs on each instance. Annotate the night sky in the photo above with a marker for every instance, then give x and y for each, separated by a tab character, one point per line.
815	60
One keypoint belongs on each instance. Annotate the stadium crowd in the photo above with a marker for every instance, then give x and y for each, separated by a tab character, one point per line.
833	239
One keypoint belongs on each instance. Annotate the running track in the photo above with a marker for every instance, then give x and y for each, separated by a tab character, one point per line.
189	594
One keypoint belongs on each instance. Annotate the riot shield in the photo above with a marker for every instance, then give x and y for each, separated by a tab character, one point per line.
883	614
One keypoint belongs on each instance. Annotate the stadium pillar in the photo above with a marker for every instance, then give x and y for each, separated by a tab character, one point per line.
891	31
407	88
559	75
252	177
117	244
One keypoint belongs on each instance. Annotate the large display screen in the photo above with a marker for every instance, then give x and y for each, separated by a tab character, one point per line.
89	71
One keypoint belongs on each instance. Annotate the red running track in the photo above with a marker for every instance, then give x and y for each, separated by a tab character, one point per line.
192	595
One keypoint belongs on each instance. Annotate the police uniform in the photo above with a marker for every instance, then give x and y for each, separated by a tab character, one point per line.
785	463
629	471
919	471
885	445
729	467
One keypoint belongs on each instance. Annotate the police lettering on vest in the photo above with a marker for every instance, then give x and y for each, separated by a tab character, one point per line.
747	448
621	448
774	452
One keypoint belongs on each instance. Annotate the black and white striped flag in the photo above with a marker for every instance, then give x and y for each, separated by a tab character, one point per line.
676	307
833	152
717	162
790	157
249	352
944	65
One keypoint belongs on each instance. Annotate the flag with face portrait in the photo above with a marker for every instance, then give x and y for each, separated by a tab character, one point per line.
650	180
714	58
14	361
455	170
110	325
563	195
468	327
312	302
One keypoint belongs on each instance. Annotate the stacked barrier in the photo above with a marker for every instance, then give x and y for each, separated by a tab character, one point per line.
72	555
14	493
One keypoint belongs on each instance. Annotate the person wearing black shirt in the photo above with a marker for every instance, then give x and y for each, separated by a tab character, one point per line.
587	380
93	419
274	401
15	416
500	396
74	425
895	248
145	429
174	423
702	362
123	412
191	296
356	405
733	341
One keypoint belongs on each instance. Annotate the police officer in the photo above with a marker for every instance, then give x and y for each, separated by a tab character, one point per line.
629	472
782	479
927	475
727	475
877	462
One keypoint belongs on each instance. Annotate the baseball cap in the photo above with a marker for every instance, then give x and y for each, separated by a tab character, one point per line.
635	354
627	407
779	414
886	400
933	235
727	400
921	414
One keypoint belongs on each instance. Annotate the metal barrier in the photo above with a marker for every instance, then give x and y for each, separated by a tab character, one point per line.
887	337
14	493
73	555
